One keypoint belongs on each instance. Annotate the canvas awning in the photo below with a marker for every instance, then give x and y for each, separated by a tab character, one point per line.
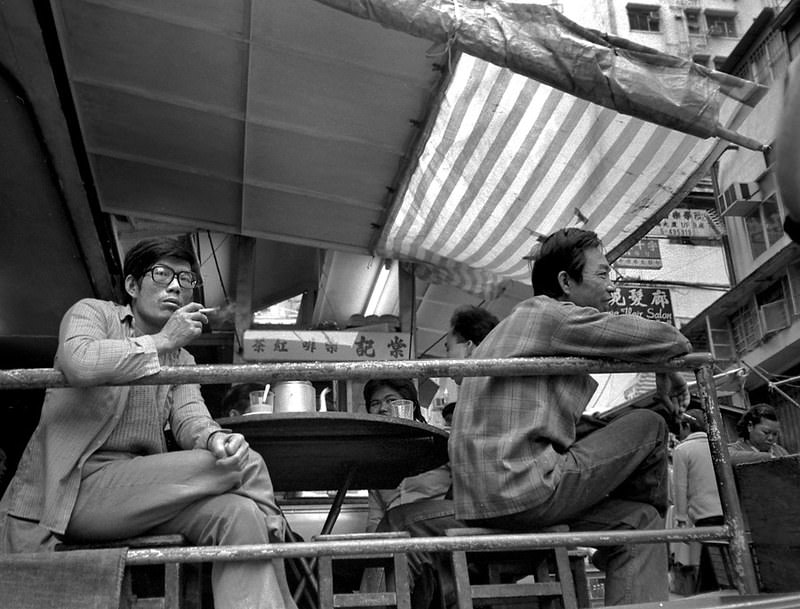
509	159
580	129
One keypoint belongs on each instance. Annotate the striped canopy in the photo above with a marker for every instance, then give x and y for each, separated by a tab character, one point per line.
509	159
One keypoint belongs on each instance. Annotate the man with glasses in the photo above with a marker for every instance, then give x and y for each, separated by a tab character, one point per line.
97	467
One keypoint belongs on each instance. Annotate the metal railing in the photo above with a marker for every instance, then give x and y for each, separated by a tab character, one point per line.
732	531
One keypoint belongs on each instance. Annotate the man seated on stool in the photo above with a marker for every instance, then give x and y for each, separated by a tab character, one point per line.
97	468
513	451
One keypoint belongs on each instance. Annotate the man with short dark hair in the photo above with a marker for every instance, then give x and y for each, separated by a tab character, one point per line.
469	325
516	461
97	467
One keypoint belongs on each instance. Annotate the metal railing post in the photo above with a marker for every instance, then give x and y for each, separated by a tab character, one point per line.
743	569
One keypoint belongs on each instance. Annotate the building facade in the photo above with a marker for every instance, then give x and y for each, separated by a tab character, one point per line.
756	324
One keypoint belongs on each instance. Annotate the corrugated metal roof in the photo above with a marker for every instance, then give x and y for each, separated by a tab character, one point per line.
509	159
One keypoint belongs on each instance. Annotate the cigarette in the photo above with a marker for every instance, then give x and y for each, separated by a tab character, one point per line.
209	310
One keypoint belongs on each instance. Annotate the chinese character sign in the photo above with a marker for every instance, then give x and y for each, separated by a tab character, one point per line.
650	303
646	254
688	223
318	345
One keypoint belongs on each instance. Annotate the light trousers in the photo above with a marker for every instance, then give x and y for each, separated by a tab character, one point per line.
186	492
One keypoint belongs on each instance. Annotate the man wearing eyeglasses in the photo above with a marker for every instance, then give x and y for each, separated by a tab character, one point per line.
97	466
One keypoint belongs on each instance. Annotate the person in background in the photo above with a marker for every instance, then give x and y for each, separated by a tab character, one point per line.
695	493
97	467
787	152
759	431
516	462
469	325
447	413
236	400
433	484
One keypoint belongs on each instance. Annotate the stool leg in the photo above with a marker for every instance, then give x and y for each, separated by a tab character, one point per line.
577	567
402	585
565	578
172	585
461	577
126	593
325	576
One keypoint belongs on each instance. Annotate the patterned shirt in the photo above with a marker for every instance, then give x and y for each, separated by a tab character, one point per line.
509	432
97	344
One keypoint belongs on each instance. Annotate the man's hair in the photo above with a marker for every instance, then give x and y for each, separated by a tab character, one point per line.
472	323
753	416
564	250
695	419
147	252
404	387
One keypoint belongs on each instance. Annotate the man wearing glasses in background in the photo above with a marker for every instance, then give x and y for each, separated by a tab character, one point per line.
97	468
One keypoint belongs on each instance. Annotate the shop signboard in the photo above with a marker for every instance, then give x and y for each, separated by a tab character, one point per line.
319	345
644	255
691	223
650	303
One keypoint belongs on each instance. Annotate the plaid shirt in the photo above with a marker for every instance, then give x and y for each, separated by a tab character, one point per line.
509	433
97	344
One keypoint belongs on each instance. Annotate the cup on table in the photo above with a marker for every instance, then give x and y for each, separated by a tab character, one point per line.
258	404
402	409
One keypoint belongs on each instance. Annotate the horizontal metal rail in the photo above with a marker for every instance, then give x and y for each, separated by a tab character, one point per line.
733	531
366	547
35	378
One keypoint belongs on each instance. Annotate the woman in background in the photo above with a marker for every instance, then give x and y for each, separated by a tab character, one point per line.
758	436
433	484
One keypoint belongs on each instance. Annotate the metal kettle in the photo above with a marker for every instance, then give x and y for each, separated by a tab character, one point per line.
297	396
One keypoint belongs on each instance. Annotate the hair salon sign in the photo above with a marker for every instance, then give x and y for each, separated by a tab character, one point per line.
650	303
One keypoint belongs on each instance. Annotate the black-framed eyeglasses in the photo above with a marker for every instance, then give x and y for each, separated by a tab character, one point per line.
163	275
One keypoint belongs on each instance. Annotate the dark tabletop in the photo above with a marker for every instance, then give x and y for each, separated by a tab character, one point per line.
313	451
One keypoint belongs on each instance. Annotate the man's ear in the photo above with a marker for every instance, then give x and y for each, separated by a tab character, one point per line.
131	286
469	347
564	282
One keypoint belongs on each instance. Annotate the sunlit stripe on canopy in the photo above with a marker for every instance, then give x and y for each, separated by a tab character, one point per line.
509	159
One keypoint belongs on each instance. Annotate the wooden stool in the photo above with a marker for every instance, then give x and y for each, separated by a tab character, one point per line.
395	566
505	567
175	593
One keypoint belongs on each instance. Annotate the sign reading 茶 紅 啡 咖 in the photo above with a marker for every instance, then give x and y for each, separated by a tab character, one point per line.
319	345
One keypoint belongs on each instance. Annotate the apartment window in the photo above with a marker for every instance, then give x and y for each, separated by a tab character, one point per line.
769	59
721	25
794	285
764	226
719	62
773	307
644	18
693	21
744	323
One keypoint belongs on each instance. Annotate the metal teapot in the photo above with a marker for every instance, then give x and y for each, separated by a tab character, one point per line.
297	396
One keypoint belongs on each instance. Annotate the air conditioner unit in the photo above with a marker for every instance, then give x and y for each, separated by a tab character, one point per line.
739	199
774	316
